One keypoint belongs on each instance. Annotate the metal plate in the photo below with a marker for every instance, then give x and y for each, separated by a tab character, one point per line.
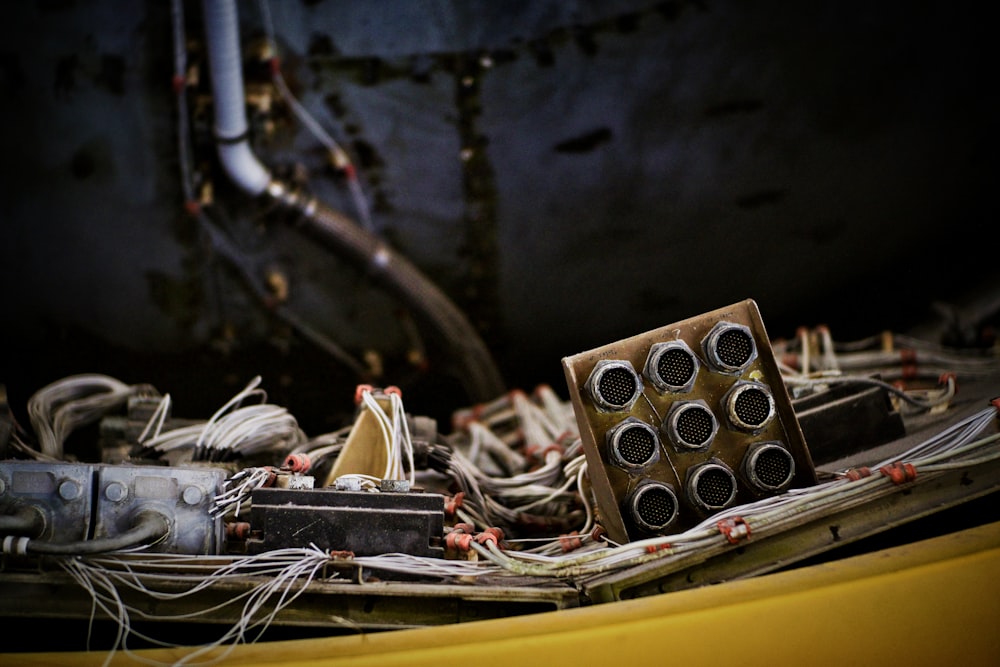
615	486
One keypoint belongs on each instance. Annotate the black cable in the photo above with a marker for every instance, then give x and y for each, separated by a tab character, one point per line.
480	375
23	521
149	527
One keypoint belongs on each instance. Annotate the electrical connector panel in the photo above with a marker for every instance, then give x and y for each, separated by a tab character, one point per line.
686	420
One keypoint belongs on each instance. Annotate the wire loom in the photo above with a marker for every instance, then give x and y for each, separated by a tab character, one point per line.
514	461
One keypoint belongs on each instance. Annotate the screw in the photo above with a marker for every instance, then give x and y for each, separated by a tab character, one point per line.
192	495
116	492
69	490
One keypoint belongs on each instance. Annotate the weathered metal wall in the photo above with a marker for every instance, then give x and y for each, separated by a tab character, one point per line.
570	172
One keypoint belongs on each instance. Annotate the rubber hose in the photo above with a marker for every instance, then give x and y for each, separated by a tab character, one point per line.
149	527
481	378
23	521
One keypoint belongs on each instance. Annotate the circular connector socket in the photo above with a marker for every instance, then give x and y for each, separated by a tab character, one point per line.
671	366
749	406
729	348
633	444
690	425
653	506
614	385
769	467
711	486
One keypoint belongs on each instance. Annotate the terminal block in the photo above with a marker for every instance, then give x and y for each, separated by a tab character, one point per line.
684	421
362	522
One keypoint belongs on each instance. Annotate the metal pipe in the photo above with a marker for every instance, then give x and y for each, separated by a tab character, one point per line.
226	72
479	373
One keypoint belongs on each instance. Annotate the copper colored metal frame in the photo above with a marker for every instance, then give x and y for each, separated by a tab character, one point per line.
729	444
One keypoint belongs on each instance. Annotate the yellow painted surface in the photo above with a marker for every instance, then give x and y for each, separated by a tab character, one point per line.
935	602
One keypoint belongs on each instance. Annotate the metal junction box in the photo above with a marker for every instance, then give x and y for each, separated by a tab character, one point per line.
79	502
686	420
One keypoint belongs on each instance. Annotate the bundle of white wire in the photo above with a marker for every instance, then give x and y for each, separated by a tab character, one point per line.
956	447
235	430
535	427
280	576
61	407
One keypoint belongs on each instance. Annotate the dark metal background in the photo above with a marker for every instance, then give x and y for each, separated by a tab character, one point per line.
571	173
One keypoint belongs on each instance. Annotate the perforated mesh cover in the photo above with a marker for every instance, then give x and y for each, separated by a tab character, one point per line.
772	467
654	506
635	444
714	487
617	386
675	367
694	426
734	347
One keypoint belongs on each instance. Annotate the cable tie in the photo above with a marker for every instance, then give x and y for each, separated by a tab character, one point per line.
458	541
15	545
484	537
275	65
996	403
453	504
949	377
899	473
350	172
598	533
272	477
178	82
238	530
298	462
653	548
392	389
464	528
228	141
854	474
192	207
554	447
908	356
514	394
340	555
734	529
497	532
359	392
909	371
570	542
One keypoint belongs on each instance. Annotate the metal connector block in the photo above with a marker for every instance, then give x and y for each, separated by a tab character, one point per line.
713	393
365	523
81	502
183	495
60	492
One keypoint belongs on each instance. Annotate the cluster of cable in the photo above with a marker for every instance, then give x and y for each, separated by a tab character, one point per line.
517	463
918	374
247	425
959	446
279	577
58	409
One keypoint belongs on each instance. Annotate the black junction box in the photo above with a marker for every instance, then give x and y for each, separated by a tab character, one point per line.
364	523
